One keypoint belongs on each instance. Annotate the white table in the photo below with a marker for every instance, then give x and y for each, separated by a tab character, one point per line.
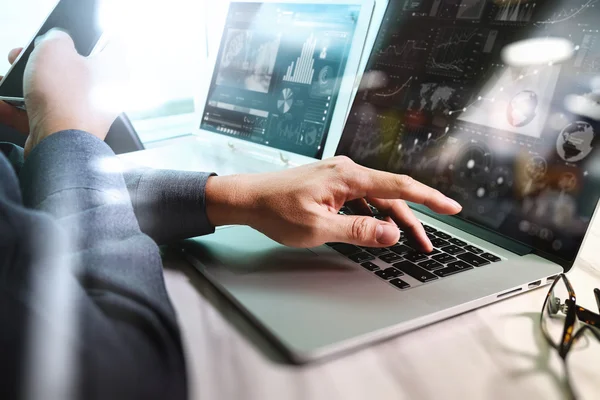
496	352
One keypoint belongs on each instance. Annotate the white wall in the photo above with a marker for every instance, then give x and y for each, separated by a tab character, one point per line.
167	42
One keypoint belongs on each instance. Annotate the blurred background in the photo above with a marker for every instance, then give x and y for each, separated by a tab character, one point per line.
168	42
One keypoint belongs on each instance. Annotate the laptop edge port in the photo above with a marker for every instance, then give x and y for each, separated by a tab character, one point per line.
534	284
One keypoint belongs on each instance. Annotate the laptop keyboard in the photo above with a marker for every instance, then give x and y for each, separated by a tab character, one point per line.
393	264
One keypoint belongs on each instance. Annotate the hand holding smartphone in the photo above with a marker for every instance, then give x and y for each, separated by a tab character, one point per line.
80	18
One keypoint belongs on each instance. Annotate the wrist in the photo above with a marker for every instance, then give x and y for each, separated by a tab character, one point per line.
228	200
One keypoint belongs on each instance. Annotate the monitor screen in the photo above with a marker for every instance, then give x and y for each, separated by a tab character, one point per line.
493	102
278	73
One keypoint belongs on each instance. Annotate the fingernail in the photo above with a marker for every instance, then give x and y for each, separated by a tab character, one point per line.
387	234
453	203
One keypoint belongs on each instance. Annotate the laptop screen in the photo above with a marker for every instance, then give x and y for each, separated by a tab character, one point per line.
278	73
493	103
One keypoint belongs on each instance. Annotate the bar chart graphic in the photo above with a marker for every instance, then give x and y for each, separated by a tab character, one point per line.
302	70
515	11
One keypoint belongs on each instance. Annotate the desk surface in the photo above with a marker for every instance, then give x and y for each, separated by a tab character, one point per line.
496	352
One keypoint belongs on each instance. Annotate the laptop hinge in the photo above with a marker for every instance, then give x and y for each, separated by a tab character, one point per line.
473	229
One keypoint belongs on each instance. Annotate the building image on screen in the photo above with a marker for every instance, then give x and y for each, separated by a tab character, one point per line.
279	72
441	101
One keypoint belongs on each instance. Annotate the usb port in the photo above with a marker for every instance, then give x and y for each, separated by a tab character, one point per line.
551	279
534	284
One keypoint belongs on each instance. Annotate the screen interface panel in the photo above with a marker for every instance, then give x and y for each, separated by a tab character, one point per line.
278	73
494	103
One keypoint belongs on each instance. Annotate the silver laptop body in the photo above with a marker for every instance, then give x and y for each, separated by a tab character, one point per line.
528	183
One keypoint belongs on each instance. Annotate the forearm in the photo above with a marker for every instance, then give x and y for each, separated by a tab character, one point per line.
229	201
127	326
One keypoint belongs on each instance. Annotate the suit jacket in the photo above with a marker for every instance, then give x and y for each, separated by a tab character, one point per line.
84	312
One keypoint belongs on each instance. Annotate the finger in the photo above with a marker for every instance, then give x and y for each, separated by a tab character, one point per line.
360	207
55	38
13	117
384	185
361	231
403	216
14	54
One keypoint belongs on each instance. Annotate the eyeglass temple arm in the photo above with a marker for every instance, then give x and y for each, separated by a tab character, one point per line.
597	295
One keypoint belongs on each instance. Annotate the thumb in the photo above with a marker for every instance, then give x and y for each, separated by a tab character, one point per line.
55	37
363	231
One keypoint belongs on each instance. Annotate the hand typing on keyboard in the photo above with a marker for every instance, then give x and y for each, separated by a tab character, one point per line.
300	207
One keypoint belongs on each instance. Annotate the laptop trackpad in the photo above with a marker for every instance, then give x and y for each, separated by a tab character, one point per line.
243	250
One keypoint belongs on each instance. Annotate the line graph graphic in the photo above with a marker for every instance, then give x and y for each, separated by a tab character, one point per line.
374	140
396	90
454	51
403	53
511	11
566	14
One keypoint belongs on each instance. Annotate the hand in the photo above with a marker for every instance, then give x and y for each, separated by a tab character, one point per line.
59	89
10	115
299	207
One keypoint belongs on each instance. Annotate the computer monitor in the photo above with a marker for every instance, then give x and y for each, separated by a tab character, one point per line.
493	103
284	75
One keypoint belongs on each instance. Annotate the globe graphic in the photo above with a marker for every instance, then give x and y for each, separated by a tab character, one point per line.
522	108
575	141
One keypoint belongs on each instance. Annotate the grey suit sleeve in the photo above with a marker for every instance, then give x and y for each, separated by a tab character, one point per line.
169	205
123	327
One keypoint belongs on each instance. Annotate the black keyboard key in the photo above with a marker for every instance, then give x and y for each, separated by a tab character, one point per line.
453	268
389	273
369	266
401	249
460	265
457	242
434	251
453	250
376	251
473	249
345	249
415	256
490	257
402	236
346	210
472	259
416	272
431	236
399	283
444	258
390	258
361	257
437	242
430	265
429	229
443	235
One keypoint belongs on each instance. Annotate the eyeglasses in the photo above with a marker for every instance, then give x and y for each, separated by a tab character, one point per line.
563	322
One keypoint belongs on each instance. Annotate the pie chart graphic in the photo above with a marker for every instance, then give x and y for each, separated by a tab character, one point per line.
285	101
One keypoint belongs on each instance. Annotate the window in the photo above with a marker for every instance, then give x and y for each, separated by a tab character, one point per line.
166	46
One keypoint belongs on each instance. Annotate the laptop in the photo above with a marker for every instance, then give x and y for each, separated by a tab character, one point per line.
281	83
487	102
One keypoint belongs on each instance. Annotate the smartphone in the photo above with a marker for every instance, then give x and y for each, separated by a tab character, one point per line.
79	18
